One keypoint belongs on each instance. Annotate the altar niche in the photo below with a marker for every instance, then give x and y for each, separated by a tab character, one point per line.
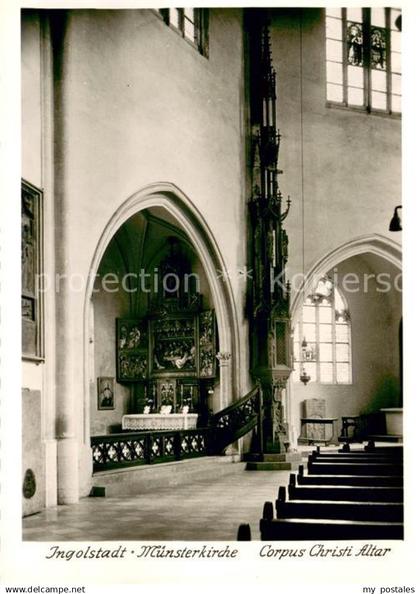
169	355
172	360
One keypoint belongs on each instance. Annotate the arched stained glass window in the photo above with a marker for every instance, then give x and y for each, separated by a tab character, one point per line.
322	337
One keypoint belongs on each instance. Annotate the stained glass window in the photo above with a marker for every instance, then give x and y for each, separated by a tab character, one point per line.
323	329
354	44
363	67
378	48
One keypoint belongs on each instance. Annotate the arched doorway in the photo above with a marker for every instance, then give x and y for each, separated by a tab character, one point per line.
368	272
167	207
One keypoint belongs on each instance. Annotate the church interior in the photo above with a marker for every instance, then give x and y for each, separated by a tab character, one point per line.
211	273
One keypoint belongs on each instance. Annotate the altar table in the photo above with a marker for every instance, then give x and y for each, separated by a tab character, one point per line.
157	422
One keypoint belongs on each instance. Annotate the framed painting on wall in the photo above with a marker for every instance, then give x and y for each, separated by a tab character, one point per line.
106	393
31	272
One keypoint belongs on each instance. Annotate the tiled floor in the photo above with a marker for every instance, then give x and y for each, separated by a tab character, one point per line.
201	510
204	510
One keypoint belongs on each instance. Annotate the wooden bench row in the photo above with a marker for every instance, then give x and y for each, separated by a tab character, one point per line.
344	492
328	521
348	479
347	458
313	529
355	468
337	506
373	450
394	455
343	496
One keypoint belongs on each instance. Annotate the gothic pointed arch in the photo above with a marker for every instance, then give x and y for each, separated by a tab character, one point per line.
374	244
170	198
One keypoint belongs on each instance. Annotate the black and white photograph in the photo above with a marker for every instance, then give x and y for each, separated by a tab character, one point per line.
209	250
106	393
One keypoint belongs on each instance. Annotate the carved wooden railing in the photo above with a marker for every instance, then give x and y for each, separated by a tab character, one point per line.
236	420
150	447
147	447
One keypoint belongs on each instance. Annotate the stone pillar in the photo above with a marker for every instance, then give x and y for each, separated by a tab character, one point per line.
49	404
225	367
67	448
67	470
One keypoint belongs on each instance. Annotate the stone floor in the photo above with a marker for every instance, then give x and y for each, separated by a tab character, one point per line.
205	510
210	509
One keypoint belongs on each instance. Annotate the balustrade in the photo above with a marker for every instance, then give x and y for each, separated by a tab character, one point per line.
150	447
147	447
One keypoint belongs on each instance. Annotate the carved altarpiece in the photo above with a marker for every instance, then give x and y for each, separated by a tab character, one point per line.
170	354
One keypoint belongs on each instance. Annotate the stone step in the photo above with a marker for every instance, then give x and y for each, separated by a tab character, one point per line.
126	482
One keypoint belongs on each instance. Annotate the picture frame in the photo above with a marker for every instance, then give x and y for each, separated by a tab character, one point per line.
106	393
32	294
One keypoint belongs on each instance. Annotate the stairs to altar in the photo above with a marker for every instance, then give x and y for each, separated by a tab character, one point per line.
273	461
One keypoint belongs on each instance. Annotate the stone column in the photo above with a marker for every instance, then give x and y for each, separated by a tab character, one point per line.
67	447
49	403
225	367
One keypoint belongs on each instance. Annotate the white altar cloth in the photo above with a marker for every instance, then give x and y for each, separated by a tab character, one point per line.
156	421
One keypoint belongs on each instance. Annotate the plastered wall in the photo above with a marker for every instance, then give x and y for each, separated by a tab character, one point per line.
31	98
128	124
107	306
375	318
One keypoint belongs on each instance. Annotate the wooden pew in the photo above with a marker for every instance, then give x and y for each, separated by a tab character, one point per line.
385	462
325	529
372	447
376	451
346	493
338	510
244	532
324	457
358	468
341	510
355	480
357	455
368	457
305	529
